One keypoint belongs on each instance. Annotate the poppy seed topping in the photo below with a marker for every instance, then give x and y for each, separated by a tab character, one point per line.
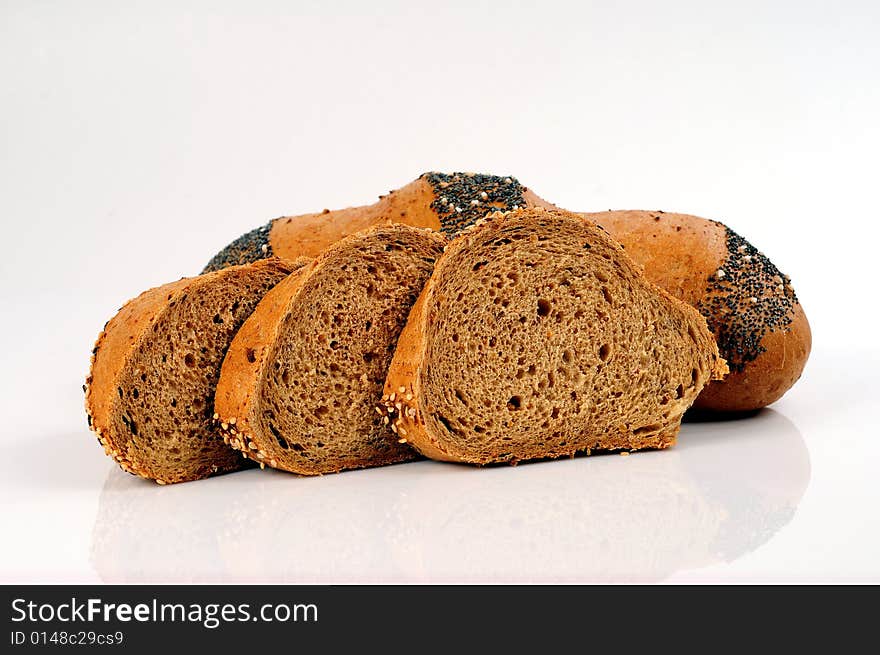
746	298
247	248
461	199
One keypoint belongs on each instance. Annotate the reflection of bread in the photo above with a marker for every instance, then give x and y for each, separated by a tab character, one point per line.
763	500
144	533
605	518
630	520
537	336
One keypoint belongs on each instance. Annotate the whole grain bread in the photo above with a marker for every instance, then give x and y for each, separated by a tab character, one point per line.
750	305
537	336
445	202
155	366
302	378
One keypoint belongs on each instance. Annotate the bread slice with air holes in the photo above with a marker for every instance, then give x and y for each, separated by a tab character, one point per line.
301	381
538	337
155	366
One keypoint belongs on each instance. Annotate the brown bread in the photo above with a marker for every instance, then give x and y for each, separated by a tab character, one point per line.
537	337
301	381
750	306
150	391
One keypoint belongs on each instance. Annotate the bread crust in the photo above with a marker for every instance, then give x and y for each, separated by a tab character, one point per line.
439	201
687	255
404	401
116	344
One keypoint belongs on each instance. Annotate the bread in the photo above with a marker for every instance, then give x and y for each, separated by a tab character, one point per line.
150	391
766	343
538	337
300	383
440	201
750	306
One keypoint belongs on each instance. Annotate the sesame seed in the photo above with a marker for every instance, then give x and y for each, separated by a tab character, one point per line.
401	389
216	416
409	397
401	441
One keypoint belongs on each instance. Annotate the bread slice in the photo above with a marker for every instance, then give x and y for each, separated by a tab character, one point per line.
302	378
538	337
155	366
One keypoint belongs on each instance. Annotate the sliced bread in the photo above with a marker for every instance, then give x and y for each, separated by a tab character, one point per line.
302	378
538	337
155	366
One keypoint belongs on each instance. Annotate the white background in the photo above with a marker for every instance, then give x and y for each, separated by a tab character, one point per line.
138	138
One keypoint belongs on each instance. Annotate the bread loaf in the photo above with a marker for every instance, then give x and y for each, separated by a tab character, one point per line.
536	336
750	306
301	381
150	391
441	201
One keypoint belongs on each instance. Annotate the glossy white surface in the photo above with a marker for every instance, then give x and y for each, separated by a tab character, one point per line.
138	141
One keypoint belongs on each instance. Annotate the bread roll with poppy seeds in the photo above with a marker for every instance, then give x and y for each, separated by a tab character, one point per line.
537	336
750	306
301	381
445	202
155	366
